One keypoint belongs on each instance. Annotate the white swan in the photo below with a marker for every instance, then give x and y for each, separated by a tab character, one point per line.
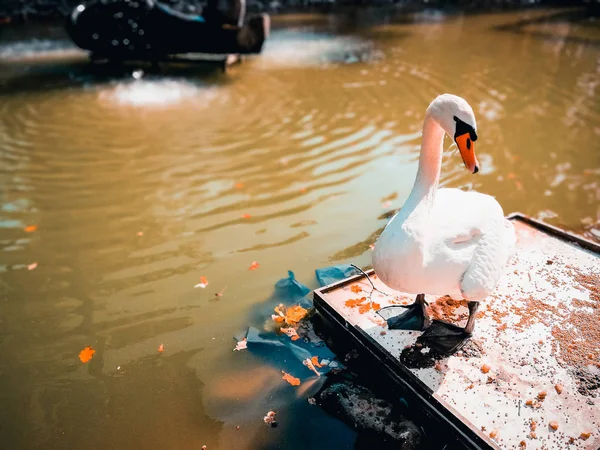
444	241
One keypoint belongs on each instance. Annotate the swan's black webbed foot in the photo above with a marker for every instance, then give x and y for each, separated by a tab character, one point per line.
414	317
446	338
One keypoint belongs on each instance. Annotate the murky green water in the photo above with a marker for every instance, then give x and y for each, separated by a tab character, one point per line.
138	188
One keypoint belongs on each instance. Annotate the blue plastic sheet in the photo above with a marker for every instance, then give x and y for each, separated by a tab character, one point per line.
278	349
328	275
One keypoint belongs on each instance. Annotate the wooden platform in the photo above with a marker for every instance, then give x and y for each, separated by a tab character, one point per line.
538	333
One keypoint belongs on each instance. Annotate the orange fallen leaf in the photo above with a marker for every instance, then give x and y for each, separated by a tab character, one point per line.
277	318
86	354
140	233
30	228
485	368
32	266
355	288
253	266
161	348
203	283
315	361
585	435
559	388
290	379
238	185
364	308
554	425
355	302
294	314
493	434
246	216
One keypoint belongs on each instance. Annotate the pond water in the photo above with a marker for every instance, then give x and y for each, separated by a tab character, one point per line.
140	187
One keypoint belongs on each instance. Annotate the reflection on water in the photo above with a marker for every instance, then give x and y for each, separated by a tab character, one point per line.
139	187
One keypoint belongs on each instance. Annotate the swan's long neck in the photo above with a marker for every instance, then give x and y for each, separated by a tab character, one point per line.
430	162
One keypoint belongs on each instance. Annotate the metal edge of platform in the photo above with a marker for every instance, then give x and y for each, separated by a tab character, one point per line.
444	414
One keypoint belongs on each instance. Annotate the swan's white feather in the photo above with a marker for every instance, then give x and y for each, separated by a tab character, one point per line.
458	246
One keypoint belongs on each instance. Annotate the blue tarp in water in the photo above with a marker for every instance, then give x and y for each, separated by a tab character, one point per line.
279	349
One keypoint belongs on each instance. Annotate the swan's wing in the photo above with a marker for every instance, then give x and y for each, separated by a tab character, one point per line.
494	248
475	228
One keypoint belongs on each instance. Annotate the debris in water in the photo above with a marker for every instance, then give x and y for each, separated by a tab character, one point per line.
238	185
270	419
161	348
585	435
241	345
291	332
203	283
559	388
246	216
291	379
308	363
137	75
554	425
140	233
30	228
86	354
221	292
254	266
32	266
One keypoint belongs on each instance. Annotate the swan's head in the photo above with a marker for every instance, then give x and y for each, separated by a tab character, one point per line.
456	117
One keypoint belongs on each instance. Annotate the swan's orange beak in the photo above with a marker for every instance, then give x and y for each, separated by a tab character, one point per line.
466	146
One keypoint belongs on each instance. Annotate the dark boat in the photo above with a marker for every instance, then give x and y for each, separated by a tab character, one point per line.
149	30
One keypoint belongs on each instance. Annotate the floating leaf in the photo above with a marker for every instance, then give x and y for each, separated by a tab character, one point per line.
86	354
30	228
246	216
308	363
238	185
140	233
355	288
32	266
315	361
203	283
290	379
241	345
253	266
270	418
294	314
161	348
